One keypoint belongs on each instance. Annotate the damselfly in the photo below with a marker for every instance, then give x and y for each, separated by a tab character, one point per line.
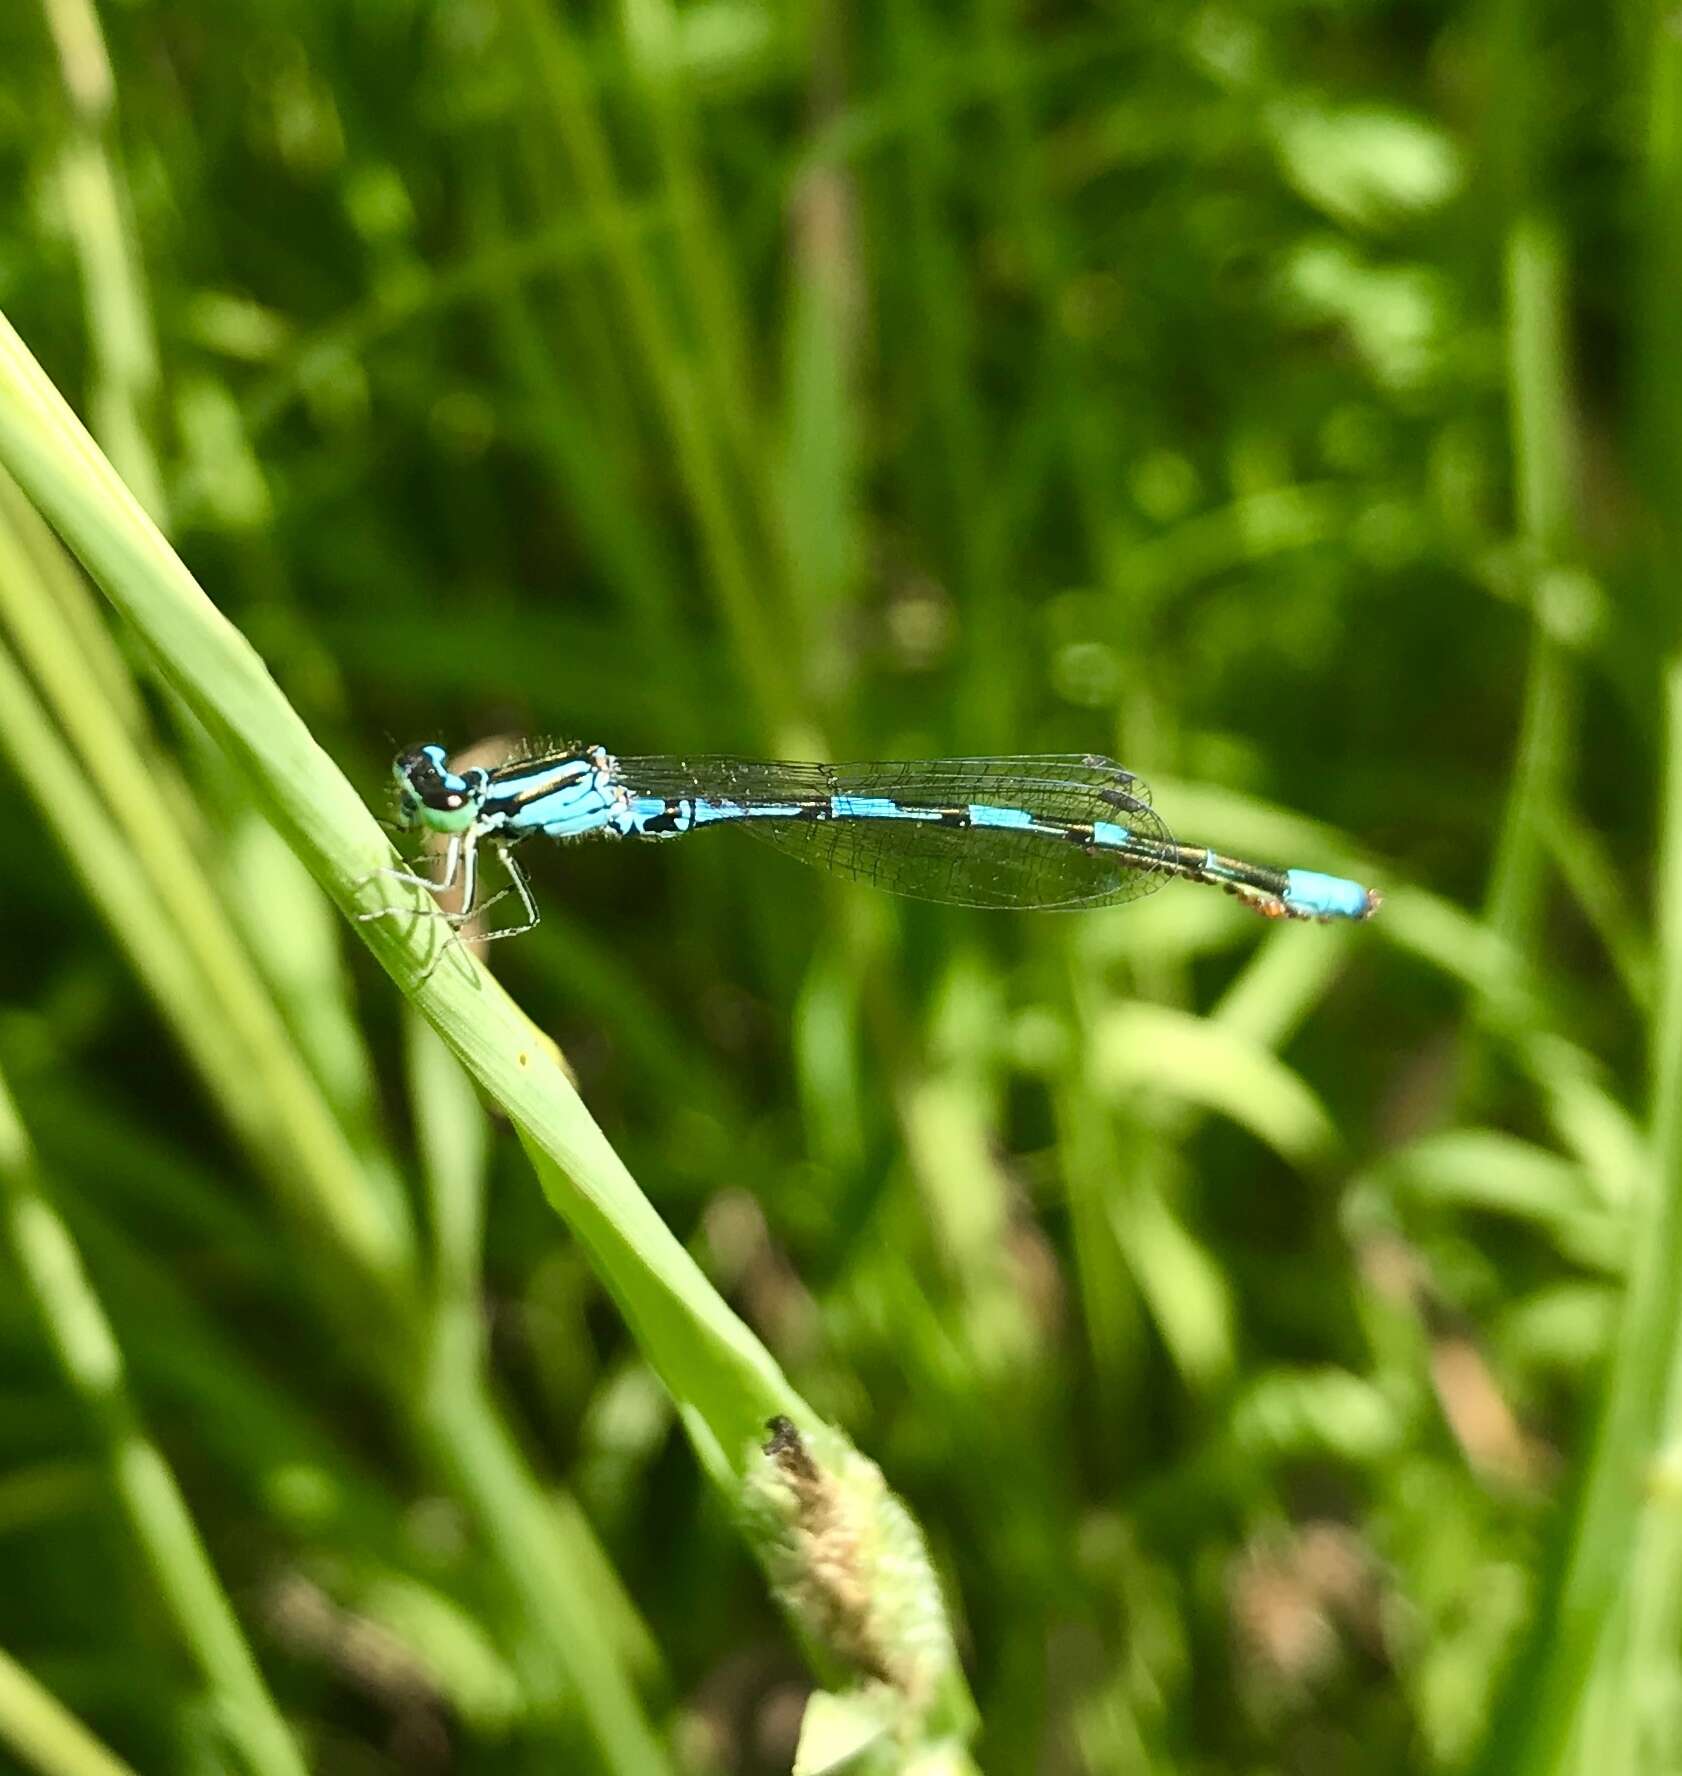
1037	831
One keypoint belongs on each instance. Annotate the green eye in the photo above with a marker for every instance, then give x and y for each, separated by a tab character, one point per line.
432	795
449	813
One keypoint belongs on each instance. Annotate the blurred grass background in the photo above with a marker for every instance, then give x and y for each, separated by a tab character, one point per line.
1275	1332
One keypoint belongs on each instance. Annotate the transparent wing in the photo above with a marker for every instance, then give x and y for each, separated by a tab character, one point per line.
970	865
1081	775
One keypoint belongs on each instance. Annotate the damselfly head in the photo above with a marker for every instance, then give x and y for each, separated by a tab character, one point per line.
430	794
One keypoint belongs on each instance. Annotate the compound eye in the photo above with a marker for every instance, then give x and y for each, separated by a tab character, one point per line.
432	795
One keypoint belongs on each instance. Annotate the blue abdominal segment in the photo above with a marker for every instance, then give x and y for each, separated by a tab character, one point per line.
982	815
850	807
706	812
645	810
1315	896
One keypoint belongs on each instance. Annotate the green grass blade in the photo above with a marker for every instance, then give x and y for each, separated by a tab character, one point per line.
127	377
146	1490
45	1735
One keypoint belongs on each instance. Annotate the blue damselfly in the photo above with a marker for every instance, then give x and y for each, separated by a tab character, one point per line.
1035	831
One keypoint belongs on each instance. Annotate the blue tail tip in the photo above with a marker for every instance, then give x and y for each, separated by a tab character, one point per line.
1311	895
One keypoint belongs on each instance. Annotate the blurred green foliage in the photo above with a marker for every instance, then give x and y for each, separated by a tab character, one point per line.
1279	397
